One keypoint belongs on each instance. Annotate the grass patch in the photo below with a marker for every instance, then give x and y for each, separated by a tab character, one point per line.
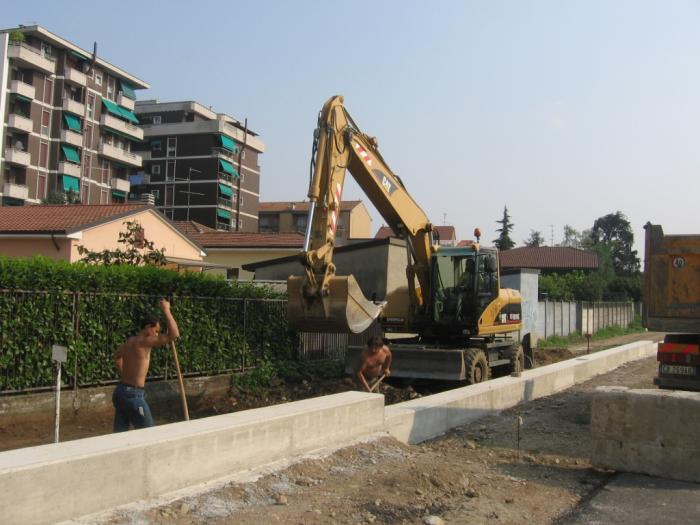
559	341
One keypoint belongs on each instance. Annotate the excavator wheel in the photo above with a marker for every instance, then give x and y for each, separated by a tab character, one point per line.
517	360
476	366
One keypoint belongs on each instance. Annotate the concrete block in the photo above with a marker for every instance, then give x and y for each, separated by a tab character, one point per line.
647	431
425	418
56	482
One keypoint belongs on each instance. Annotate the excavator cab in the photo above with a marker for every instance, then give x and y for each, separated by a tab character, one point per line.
465	282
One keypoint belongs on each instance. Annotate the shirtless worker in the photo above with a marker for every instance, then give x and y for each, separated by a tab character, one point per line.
375	361
132	359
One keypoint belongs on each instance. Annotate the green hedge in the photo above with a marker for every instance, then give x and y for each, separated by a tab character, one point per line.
93	309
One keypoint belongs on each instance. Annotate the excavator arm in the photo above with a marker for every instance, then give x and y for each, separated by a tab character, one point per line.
320	300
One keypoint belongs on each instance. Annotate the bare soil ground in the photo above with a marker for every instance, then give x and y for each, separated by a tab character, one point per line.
478	473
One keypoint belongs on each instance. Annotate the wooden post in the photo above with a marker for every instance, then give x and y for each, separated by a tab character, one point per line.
182	383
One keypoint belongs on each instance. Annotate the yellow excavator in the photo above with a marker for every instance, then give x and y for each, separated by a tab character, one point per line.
460	320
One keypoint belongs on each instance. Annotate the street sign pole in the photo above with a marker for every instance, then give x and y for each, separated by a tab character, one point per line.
59	355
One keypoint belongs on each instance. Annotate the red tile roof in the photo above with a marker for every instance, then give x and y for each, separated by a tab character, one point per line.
192	227
61	218
211	238
299	206
446	233
549	258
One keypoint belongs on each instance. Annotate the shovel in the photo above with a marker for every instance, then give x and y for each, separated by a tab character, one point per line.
376	385
182	384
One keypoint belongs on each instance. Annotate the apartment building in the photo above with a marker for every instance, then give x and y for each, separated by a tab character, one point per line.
354	221
68	121
199	165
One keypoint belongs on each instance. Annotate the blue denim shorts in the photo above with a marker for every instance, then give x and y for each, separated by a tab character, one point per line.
130	408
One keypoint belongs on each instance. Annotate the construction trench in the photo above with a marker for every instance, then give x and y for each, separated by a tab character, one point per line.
50	483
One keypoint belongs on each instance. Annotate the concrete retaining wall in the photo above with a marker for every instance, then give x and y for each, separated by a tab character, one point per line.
424	418
56	482
652	432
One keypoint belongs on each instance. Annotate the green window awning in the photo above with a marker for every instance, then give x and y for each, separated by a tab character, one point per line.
225	190
118	111
22	97
224	214
227	143
71	183
127	90
120	194
79	56
128	115
227	167
71	153
72	122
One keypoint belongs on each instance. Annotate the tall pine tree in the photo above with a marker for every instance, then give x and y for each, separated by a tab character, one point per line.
504	242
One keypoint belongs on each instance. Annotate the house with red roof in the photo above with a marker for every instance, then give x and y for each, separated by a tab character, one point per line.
228	251
549	259
56	231
354	221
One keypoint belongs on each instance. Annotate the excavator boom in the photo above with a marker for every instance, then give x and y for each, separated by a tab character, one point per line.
320	301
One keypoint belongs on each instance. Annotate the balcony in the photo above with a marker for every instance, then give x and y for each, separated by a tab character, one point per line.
120	155
121	126
225	203
75	76
31	57
16	191
15	156
230	179
20	88
125	102
19	122
73	106
231	156
223	226
72	138
120	185
68	168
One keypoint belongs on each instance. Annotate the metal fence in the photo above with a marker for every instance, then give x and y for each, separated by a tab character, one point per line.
313	346
564	318
218	335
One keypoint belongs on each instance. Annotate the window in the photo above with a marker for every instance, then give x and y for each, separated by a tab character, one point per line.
172	146
48	90
243	154
110	87
91	105
242	176
268	223
232	273
85	193
87	167
156	119
104	176
155	145
45	121
170	170
240	223
41	186
103	196
299	221
88	136
155	193
43	154
155	169
46	50
240	200
98	79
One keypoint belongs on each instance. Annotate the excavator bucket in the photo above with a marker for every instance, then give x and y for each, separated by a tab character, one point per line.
344	309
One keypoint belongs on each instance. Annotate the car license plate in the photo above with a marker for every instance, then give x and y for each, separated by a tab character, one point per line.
679	370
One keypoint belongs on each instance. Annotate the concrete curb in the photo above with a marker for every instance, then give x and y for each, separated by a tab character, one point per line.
424	418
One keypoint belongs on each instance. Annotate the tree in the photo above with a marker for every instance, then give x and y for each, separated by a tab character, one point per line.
614	231
138	250
572	237
535	240
504	242
58	197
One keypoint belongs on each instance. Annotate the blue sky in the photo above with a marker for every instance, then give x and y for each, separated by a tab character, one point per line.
561	111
